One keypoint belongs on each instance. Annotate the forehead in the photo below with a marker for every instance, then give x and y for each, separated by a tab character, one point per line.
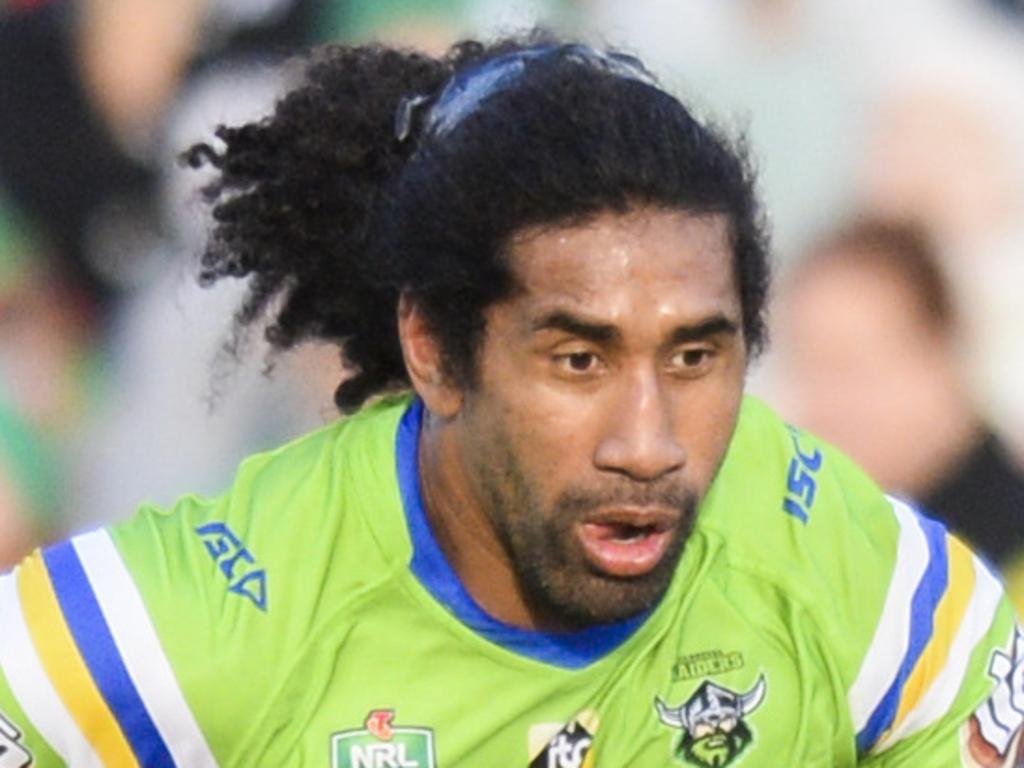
619	264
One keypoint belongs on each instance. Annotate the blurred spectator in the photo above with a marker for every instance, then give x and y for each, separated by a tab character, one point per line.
41	340
944	149
29	489
58	157
84	90
47	332
433	25
871	359
786	72
1014	9
98	98
429	25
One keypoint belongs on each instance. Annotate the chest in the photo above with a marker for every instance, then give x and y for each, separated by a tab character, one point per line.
712	686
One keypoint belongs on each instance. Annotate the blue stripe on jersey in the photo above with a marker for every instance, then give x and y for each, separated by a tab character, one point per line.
926	599
571	650
92	635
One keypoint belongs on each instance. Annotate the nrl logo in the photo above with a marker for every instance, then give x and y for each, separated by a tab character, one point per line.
382	745
714	731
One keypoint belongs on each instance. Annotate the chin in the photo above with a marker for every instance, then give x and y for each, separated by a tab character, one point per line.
587	598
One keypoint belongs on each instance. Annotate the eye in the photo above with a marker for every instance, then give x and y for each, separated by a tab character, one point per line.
578	362
694	357
692	360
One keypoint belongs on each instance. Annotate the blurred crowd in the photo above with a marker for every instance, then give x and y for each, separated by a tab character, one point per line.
888	139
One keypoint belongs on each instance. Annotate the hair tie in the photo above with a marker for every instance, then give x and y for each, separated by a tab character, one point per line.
466	90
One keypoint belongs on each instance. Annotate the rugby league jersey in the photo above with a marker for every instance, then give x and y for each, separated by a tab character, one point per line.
308	617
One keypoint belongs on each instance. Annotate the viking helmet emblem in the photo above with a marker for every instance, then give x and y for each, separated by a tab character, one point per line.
712	705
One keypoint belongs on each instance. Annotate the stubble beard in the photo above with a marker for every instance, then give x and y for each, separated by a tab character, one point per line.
557	580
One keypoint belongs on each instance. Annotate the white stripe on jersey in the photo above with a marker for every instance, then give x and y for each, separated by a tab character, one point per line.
940	695
140	649
889	645
31	685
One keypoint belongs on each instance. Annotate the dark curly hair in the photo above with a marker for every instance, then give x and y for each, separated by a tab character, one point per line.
332	214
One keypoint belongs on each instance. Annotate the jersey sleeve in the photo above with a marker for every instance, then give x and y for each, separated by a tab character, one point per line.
170	639
85	678
942	681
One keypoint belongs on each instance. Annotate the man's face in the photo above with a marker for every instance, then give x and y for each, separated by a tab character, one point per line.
608	388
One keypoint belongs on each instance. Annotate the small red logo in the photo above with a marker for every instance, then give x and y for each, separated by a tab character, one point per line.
378	722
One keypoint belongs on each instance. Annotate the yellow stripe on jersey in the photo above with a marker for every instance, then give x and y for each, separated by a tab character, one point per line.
949	614
65	667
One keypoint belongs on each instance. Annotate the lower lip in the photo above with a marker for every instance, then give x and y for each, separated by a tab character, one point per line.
623	557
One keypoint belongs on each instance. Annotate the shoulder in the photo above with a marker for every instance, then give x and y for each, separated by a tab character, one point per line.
801	520
191	615
901	607
286	518
291	537
782	490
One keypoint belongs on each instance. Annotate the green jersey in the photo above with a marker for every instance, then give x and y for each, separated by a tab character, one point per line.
308	617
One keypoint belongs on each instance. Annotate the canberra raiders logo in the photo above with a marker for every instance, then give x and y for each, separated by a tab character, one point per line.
714	732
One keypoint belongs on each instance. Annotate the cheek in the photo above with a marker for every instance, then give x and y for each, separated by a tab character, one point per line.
547	422
704	419
552	440
519	437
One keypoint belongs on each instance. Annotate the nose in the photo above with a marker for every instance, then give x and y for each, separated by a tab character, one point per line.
639	440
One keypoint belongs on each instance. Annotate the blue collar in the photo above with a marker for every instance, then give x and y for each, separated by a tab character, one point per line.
571	650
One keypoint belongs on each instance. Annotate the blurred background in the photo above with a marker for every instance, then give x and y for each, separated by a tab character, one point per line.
890	143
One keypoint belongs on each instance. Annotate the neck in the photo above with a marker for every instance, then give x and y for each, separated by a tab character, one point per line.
459	519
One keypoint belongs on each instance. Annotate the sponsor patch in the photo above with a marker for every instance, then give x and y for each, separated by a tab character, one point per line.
713	725
380	744
564	745
992	738
13	754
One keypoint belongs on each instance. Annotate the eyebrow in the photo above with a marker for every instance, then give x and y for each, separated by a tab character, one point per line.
560	320
719	325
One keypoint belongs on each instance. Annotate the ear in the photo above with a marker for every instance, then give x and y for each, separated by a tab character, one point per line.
421	351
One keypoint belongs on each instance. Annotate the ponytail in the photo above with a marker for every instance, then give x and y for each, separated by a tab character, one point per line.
294	204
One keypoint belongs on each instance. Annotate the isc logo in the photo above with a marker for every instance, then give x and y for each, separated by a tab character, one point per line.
801	480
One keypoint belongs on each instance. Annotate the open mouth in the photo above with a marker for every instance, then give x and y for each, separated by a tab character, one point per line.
627	543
